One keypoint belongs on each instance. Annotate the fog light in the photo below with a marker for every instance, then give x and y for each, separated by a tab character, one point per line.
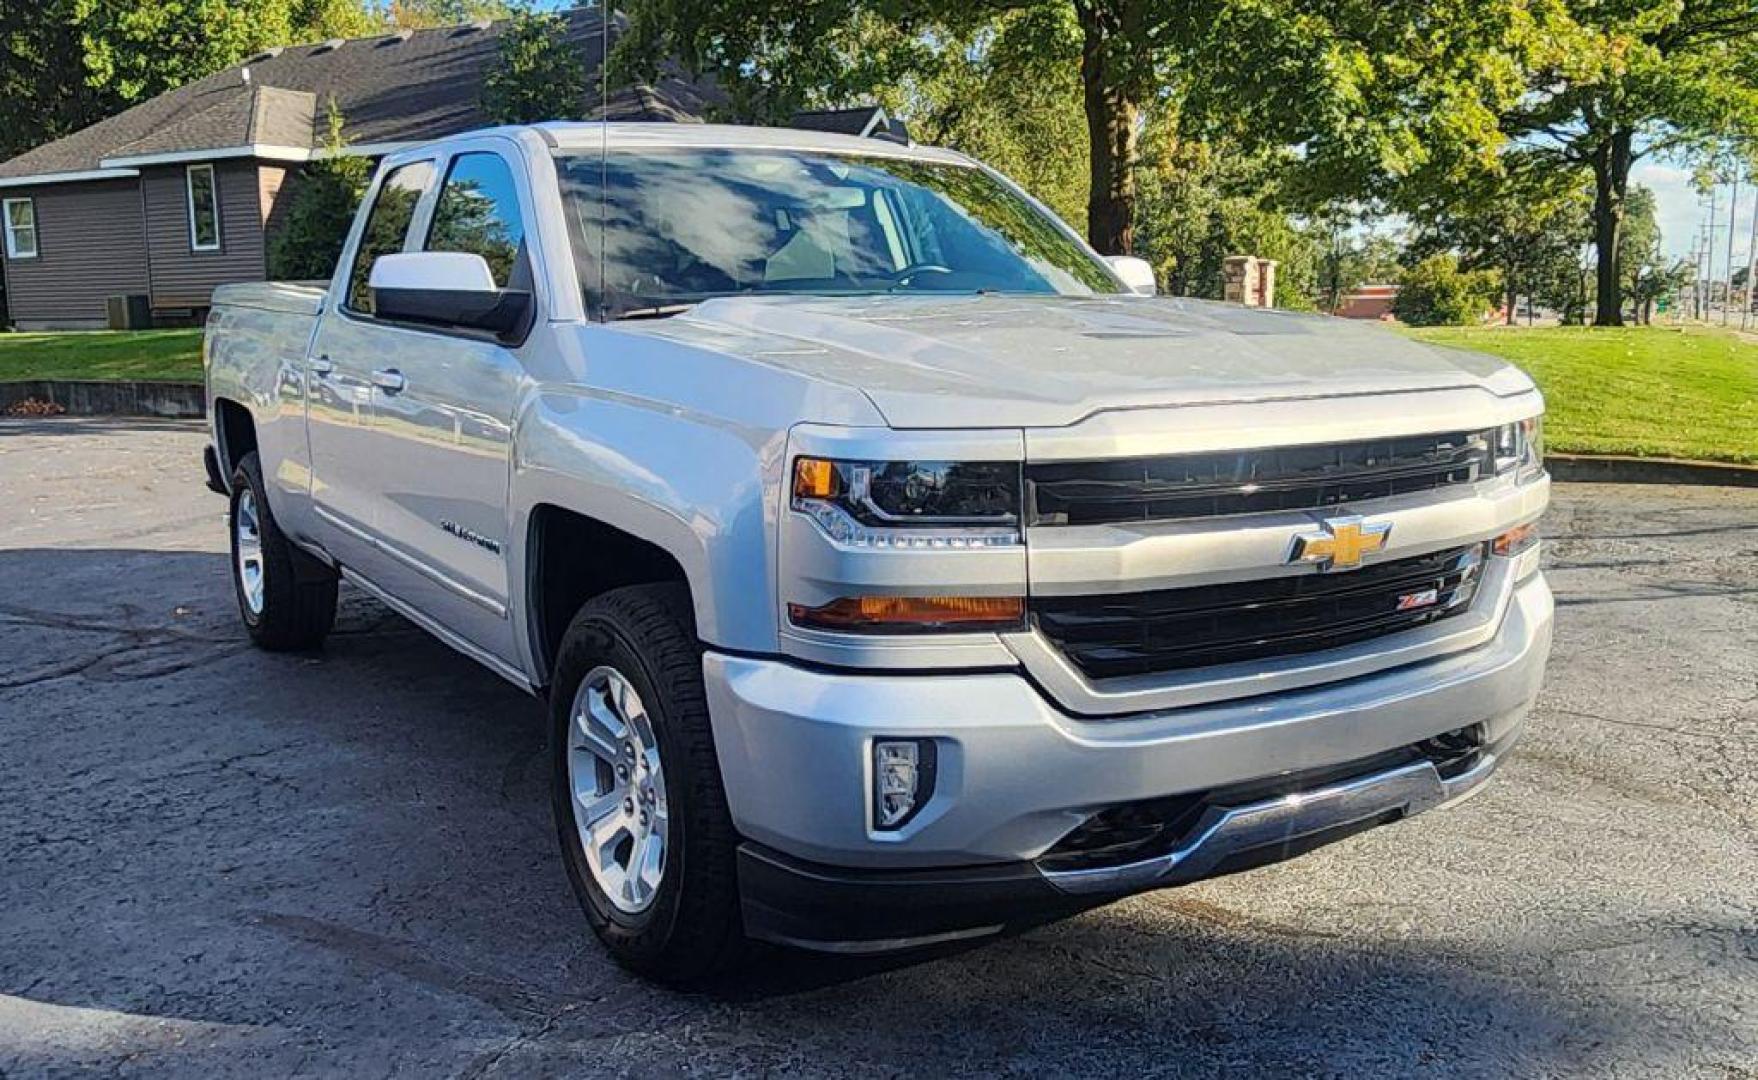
903	780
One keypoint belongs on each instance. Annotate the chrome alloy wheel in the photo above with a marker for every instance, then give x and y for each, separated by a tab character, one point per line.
618	790
247	529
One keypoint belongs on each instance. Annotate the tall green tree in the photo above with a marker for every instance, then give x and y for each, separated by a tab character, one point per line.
1647	274
1525	222
1199	202
1006	93
66	64
42	75
776	58
1608	84
1374	91
538	74
426	14
138	49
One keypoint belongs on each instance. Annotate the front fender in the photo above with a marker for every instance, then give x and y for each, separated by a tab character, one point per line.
704	489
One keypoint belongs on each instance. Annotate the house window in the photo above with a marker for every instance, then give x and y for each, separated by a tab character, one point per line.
21	229
204	209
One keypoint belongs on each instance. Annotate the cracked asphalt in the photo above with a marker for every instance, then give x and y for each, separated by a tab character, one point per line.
219	862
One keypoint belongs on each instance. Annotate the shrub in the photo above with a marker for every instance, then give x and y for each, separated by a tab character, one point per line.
325	195
1435	292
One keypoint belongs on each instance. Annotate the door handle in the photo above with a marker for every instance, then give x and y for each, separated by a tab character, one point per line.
321	366
390	380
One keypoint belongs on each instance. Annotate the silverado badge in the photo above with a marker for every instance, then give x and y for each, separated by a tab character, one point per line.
1340	543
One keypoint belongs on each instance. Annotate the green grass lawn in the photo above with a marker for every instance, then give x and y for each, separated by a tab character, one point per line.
161	355
1650	391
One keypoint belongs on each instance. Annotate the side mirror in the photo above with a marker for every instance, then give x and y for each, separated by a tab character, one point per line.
450	290
1137	274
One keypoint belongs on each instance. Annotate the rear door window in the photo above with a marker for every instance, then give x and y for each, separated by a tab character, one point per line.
387	227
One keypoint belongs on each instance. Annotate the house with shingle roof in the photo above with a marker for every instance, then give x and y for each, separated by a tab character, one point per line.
180	194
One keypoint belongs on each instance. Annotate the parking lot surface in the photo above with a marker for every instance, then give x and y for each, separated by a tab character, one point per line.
220	862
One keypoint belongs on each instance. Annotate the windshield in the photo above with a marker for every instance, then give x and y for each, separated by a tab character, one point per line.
683	226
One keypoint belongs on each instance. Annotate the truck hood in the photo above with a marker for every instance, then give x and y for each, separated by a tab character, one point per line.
1013	361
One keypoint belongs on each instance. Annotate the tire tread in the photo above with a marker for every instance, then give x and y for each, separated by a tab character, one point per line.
299	598
704	939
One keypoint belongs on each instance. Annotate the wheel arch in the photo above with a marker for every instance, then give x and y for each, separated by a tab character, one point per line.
656	480
571	557
234	434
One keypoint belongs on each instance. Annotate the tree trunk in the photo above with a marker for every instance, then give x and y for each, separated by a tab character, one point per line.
1508	291
1111	116
1611	182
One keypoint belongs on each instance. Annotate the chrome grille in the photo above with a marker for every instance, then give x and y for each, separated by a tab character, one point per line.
1107	636
1251	481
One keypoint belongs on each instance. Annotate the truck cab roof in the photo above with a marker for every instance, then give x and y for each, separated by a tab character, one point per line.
583	137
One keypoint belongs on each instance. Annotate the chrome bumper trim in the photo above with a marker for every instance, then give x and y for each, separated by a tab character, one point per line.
1228	831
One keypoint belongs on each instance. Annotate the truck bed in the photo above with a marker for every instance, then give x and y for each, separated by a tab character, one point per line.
289	297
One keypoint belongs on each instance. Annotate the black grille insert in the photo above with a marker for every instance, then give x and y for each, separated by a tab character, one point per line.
1171	629
1253	481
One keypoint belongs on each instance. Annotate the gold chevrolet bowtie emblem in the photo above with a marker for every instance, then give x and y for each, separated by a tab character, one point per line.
1341	543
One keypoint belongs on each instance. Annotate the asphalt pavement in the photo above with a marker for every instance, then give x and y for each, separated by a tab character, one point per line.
219	862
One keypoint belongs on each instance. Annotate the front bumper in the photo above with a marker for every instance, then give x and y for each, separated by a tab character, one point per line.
836	909
1016	775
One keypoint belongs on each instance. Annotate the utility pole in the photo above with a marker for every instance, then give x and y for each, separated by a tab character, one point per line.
1698	305
1709	257
1733	207
1751	260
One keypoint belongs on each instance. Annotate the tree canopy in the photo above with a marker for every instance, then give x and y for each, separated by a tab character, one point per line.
1610	83
537	75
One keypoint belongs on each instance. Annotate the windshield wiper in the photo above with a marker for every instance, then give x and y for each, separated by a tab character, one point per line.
657	311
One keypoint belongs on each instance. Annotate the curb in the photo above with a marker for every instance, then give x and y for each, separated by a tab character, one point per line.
94	398
1614	469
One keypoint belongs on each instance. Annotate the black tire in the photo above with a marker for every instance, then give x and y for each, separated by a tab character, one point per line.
298	591
691	932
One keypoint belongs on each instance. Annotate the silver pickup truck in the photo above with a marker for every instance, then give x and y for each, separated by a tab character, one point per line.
895	570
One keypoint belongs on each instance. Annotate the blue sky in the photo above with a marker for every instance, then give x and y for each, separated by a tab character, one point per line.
1681	212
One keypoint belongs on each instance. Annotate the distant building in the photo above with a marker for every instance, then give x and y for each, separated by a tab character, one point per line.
1369	302
180	194
862	121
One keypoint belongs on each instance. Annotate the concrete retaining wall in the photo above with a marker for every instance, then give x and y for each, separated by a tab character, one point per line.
1612	469
168	399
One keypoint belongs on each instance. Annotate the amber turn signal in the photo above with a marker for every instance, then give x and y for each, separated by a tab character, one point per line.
912	614
814	478
1515	540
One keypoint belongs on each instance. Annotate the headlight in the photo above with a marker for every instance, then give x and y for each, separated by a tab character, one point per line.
1519	447
911	504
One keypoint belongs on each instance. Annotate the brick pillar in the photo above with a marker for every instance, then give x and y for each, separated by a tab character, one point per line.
1238	279
1266	283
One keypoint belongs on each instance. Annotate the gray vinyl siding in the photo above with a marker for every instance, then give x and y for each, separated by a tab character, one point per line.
185	278
89	247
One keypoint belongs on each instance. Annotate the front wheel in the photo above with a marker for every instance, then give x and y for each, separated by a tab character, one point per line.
645	832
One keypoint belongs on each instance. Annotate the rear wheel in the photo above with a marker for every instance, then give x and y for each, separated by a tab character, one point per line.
645	832
286	598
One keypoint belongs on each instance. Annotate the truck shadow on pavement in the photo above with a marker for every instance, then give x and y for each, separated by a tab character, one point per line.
221	860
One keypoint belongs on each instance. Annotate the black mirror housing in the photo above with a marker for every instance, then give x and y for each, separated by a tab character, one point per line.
505	314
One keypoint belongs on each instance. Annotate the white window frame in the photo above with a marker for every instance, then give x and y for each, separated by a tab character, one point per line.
189	172
12	251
